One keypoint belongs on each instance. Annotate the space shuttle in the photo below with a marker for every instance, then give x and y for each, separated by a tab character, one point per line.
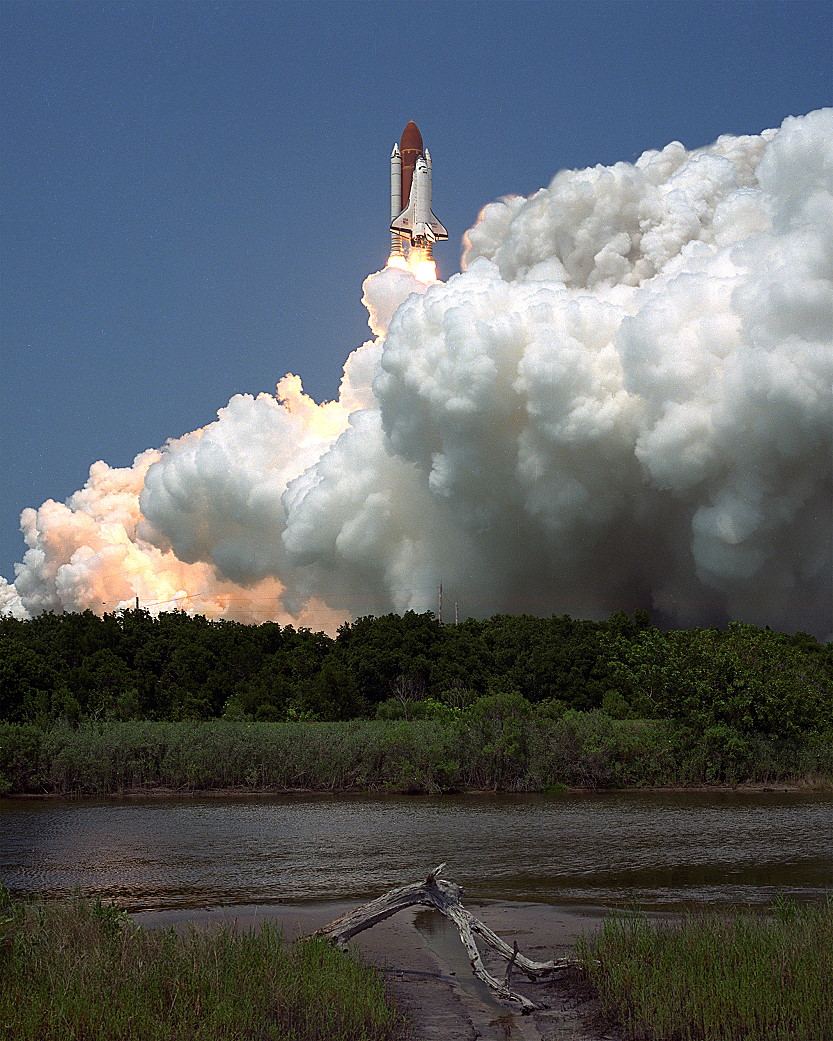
411	217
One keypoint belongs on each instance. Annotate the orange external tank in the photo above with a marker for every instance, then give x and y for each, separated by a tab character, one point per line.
410	146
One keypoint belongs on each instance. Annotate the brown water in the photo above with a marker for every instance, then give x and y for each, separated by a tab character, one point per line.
590	850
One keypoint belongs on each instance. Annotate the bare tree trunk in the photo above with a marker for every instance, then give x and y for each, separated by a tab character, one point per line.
407	688
444	897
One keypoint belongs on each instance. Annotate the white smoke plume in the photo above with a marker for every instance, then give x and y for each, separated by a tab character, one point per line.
624	400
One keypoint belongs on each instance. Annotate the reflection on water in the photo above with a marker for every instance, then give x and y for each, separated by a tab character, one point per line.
444	940
613	849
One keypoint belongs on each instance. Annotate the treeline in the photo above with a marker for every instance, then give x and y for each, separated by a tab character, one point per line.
132	665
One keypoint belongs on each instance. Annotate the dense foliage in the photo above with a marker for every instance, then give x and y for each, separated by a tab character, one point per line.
500	743
131	665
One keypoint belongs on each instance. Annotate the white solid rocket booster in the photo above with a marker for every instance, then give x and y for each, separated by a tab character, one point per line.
395	198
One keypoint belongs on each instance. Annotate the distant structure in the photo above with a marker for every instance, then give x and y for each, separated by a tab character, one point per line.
411	219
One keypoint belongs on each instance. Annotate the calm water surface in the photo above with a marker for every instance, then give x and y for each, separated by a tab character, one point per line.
589	849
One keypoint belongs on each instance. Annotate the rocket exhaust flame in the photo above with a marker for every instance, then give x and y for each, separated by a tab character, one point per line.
423	269
624	400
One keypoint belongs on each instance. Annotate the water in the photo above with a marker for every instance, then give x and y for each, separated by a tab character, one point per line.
593	850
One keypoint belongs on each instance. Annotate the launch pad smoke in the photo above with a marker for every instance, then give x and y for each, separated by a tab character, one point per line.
624	400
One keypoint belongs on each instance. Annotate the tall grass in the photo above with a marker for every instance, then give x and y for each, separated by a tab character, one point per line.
717	976
503	753
79	971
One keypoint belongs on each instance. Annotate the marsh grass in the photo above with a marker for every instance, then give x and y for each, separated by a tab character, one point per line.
717	976
78	971
508	752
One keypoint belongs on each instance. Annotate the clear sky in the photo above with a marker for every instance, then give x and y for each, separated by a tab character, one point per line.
192	193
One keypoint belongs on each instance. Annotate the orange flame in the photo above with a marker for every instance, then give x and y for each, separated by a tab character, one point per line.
423	270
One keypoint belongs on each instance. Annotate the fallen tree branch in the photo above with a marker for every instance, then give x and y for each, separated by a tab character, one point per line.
444	897
510	963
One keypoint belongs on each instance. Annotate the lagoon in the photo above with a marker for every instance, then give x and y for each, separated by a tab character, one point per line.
584	850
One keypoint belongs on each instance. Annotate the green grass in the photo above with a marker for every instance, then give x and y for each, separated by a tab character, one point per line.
717	976
81	971
506	753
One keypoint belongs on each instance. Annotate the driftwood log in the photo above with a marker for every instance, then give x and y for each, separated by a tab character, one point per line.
444	897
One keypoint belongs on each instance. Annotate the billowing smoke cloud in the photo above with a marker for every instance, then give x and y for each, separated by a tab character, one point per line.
624	400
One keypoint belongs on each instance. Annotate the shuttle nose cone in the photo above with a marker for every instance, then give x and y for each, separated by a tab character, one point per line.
411	139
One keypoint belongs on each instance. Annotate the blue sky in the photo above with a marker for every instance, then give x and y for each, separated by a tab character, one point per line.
192	193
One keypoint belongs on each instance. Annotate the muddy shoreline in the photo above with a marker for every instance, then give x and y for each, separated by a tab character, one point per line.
824	784
427	972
